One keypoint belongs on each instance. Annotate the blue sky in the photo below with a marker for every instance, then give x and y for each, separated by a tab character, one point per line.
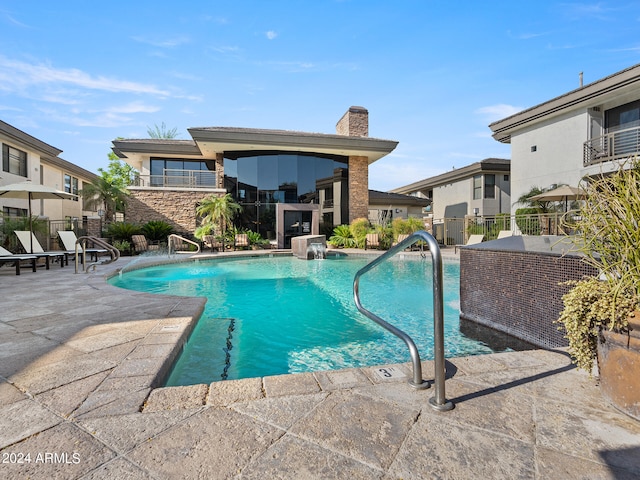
432	74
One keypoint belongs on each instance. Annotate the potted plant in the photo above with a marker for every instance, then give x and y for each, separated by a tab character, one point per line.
602	315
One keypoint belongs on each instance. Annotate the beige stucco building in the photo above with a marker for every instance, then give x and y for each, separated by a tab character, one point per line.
482	189
574	135
25	157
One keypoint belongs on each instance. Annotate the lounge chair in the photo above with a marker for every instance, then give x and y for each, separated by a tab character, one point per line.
69	239
505	233
27	239
241	240
210	241
371	240
141	245
8	257
473	240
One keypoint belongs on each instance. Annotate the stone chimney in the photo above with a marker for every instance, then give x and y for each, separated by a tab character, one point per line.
354	123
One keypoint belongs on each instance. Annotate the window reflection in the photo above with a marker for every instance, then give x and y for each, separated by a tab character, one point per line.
260	181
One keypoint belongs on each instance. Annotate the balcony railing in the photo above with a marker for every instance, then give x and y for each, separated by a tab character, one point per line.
179	178
612	146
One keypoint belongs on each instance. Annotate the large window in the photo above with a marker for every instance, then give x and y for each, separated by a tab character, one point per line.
260	180
477	187
182	172
11	212
622	117
489	185
71	185
14	161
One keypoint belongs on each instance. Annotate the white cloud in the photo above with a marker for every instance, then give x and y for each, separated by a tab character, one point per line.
22	75
498	111
164	43
133	107
271	34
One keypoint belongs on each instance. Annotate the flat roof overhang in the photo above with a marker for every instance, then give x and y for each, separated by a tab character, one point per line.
615	85
211	140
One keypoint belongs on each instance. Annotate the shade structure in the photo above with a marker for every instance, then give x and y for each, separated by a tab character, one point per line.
563	193
33	191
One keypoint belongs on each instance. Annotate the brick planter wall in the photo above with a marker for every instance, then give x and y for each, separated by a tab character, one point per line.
175	207
518	292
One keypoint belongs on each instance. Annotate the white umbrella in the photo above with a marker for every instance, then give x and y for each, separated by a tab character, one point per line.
562	193
33	191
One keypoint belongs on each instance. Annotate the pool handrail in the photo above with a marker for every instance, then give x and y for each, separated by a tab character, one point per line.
438	401
81	248
172	240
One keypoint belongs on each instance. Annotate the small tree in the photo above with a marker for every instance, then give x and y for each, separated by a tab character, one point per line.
217	213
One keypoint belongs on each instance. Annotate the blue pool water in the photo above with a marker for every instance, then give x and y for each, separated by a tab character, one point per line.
274	315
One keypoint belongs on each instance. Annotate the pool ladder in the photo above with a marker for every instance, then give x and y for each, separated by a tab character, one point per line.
438	401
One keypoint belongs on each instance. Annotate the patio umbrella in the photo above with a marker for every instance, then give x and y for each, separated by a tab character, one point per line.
32	191
562	193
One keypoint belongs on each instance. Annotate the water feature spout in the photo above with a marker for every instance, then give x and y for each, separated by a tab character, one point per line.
316	251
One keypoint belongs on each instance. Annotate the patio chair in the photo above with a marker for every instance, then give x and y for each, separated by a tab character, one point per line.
27	239
69	239
473	240
241	240
505	234
371	240
210	241
141	245
7	257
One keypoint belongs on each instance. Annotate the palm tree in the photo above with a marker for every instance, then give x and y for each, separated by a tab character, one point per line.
106	193
217	212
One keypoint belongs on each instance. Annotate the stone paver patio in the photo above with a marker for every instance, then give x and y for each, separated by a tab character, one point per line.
80	362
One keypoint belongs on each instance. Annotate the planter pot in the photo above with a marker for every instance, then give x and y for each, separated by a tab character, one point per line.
619	367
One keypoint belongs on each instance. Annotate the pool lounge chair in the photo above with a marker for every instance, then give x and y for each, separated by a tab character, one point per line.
69	239
27	239
7	257
371	240
141	245
241	240
505	233
210	241
473	240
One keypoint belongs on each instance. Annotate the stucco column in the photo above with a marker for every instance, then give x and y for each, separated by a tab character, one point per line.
358	188
219	170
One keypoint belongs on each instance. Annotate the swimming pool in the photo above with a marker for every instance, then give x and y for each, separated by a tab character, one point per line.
269	315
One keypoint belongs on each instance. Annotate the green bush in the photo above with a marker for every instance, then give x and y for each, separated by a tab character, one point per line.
342	237
157	230
359	229
256	239
122	231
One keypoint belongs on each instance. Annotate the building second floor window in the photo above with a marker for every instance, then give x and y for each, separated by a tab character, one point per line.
14	161
11	212
477	187
489	185
71	185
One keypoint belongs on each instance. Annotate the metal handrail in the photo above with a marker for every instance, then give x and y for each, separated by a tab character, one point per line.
173	236
438	401
81	242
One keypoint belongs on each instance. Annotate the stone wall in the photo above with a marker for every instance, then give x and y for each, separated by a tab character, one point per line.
358	187
354	123
176	207
518	292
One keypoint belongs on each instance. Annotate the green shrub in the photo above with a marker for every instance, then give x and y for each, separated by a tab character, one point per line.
157	230
123	246
342	237
122	231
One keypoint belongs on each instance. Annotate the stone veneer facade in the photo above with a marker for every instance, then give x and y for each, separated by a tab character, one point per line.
358	188
176	207
354	123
